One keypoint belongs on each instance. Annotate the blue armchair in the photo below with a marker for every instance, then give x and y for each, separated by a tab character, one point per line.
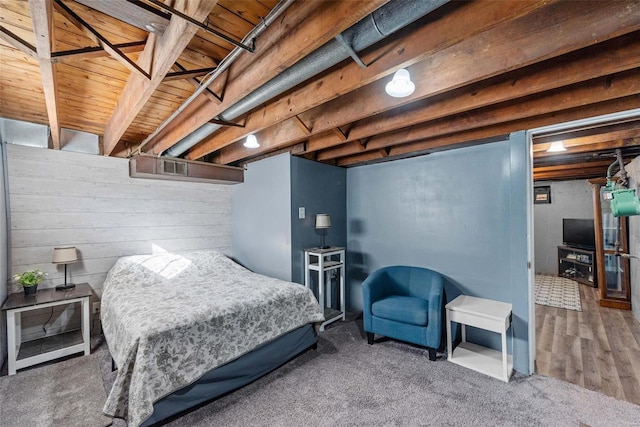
404	303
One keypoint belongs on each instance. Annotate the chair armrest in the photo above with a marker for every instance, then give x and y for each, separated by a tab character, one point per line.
434	326
374	288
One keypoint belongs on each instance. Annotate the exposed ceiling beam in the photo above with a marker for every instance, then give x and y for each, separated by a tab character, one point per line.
471	60
608	58
486	134
136	13
305	27
159	56
18	43
42	18
419	44
601	141
591	92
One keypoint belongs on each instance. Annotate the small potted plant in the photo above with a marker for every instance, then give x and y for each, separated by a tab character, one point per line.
29	280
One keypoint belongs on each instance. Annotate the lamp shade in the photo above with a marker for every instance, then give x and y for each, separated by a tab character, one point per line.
66	255
401	84
323	221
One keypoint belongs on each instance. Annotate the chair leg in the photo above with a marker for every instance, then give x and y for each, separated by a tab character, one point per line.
432	354
369	338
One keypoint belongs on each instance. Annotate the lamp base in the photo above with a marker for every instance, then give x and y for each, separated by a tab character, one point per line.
325	247
65	286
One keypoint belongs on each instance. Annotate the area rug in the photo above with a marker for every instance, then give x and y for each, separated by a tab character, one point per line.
69	393
557	292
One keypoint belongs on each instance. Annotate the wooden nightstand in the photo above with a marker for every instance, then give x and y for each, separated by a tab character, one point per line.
72	342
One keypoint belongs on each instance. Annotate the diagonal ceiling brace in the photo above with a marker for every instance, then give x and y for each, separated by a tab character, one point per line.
15	41
100	39
201	25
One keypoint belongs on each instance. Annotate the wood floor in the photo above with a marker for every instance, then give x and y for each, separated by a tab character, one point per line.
598	348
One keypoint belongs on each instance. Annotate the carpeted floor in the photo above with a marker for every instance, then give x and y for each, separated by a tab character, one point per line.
69	393
347	382
557	292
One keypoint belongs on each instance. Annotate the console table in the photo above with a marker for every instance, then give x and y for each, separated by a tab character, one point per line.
324	261
485	314
72	343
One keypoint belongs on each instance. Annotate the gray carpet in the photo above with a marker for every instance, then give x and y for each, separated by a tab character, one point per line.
69	393
347	382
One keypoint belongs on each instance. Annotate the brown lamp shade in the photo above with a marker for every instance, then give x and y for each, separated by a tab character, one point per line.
65	255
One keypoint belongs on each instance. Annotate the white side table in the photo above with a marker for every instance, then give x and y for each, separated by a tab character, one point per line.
324	261
485	314
17	304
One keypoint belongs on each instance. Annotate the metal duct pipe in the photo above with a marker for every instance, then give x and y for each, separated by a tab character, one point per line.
386	20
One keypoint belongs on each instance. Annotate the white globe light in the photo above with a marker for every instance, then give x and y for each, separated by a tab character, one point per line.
401	84
251	142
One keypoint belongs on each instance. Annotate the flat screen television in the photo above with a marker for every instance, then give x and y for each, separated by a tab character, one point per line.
579	233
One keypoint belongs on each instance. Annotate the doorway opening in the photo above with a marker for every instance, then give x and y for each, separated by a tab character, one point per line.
576	338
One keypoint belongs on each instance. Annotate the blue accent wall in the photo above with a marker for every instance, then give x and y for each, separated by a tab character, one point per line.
261	217
319	188
268	237
460	212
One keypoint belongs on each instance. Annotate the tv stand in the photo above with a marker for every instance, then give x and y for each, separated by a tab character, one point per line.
578	264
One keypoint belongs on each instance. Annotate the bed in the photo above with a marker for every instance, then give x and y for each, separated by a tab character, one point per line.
185	328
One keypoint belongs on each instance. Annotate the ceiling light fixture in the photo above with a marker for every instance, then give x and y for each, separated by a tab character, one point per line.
556	147
251	142
401	84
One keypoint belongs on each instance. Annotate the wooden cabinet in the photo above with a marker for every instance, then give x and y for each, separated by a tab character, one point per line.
612	251
578	264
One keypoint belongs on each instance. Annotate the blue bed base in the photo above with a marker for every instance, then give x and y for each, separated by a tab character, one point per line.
233	375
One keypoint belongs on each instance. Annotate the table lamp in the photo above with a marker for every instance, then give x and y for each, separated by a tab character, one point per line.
323	221
65	255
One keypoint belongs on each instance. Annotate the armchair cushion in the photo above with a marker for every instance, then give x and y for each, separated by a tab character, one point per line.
403	309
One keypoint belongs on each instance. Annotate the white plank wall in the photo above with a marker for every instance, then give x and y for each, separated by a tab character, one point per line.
60	198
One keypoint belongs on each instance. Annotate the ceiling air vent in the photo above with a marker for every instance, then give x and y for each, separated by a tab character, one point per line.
152	167
173	167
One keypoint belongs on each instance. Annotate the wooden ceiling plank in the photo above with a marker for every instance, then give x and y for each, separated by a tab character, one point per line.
415	46
449	69
42	17
162	56
305	27
18	42
98	38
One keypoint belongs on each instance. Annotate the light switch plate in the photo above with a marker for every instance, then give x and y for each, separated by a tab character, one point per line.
301	213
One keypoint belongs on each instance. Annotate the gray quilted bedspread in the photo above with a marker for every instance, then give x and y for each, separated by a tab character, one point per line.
169	318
